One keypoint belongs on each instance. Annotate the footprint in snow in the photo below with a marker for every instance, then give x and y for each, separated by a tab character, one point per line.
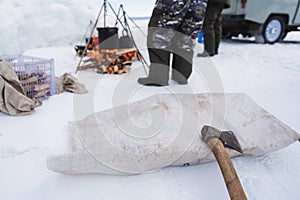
11	152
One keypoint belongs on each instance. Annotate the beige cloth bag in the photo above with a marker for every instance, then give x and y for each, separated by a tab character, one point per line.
69	83
13	100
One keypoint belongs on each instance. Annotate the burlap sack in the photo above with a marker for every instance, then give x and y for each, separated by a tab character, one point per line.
13	100
69	83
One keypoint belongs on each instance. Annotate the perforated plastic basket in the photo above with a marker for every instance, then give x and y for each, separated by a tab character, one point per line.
35	74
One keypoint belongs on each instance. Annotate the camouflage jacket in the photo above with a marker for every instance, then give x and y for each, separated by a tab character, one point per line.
185	16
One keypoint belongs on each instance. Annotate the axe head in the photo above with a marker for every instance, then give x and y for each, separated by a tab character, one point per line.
227	137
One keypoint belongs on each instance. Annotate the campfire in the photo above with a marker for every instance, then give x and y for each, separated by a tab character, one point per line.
114	61
109	53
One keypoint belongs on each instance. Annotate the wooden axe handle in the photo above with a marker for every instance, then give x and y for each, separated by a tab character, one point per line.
231	178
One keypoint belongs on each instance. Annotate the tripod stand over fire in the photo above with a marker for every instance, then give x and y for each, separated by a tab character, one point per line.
107	53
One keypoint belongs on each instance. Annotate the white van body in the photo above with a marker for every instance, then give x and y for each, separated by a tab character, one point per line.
268	20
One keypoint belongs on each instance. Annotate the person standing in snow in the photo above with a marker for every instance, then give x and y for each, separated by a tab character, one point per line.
173	28
212	27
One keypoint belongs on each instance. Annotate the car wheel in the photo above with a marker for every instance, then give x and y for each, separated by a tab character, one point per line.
273	29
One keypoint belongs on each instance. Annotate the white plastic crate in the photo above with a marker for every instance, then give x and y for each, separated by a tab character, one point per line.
35	74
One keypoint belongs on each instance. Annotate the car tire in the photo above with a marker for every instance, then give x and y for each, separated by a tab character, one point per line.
283	36
227	35
273	29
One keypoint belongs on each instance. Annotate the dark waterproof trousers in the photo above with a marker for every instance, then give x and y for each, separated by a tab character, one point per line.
212	27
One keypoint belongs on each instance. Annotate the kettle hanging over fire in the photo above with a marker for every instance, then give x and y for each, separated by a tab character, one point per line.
125	40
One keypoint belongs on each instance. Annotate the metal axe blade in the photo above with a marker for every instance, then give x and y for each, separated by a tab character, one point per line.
228	138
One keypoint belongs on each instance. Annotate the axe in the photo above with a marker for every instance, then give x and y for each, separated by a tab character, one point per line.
217	141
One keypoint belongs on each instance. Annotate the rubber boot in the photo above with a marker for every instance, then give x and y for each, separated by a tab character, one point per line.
182	66
159	69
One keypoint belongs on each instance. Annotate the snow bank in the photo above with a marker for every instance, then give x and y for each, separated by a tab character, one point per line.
40	23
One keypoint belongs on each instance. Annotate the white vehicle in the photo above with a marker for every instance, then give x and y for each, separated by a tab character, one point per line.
268	20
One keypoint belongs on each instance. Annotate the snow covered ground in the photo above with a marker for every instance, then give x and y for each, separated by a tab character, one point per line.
270	74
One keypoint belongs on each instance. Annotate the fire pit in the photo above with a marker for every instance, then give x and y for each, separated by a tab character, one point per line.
108	53
115	61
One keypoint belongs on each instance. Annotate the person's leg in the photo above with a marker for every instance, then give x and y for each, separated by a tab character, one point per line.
212	12
182	67
218	32
208	29
159	57
183	53
185	40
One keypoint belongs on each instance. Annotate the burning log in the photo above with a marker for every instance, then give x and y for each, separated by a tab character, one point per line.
108	61
91	44
119	69
93	67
